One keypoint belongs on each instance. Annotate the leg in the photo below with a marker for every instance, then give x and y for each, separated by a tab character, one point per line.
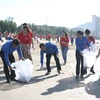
62	50
65	54
77	63
48	57
92	69
57	62
12	60
6	70
83	71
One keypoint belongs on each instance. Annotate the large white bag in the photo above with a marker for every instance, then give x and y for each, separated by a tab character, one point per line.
89	58
93	47
23	70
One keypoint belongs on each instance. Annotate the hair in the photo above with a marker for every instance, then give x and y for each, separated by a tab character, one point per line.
80	32
24	24
42	45
66	34
87	31
16	42
25	27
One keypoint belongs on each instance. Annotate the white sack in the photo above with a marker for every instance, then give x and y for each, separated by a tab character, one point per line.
89	58
23	70
93	47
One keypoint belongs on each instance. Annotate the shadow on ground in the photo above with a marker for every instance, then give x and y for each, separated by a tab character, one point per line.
65	84
93	88
41	78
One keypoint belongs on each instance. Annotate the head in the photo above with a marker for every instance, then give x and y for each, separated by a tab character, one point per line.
24	24
65	33
25	29
42	46
15	43
80	34
87	32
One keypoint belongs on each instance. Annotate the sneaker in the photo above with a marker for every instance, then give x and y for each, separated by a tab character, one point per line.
47	73
77	76
82	76
8	81
59	72
41	68
92	71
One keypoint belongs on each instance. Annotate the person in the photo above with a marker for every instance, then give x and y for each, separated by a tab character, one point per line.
81	44
7	56
50	49
25	40
72	40
64	40
31	34
90	39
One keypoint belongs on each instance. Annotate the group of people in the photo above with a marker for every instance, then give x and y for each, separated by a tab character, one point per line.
24	42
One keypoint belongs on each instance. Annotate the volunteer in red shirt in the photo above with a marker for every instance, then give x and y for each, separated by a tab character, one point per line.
90	39
25	40
31	34
64	40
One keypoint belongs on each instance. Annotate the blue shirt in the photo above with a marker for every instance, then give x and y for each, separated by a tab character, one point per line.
50	48
82	43
8	48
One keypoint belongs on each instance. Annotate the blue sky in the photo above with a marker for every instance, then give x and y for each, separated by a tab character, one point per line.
68	13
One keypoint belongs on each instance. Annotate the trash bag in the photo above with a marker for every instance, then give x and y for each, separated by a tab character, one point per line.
89	58
23	70
93	47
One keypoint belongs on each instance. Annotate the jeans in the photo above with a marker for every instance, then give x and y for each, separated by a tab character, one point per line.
64	53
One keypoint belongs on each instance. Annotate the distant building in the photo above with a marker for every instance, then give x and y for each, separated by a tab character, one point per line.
96	25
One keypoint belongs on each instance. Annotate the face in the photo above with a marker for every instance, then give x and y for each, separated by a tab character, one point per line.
78	35
87	35
43	48
63	34
15	46
24	30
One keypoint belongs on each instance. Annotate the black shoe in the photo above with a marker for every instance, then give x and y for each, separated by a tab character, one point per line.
59	72
92	71
82	76
77	76
8	81
47	73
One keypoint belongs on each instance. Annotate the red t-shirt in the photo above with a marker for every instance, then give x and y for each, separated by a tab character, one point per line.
63	40
24	39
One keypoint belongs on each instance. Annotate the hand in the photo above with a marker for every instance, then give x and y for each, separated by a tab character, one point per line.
89	49
81	53
97	56
2	41
22	58
10	68
33	47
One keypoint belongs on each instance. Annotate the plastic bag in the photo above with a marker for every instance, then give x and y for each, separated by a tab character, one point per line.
23	70
93	47
89	58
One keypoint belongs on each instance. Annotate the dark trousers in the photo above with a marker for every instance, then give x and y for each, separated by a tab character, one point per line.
48	57
11	59
79	61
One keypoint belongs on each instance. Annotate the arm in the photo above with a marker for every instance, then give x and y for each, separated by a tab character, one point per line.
19	52
87	42
77	45
41	57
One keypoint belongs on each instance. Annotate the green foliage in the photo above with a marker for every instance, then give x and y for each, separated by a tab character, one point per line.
11	26
8	25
